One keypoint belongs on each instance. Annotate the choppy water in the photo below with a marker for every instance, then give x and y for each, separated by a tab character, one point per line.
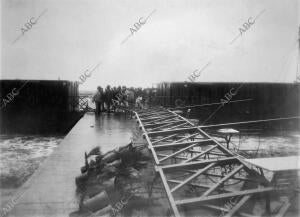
20	156
276	145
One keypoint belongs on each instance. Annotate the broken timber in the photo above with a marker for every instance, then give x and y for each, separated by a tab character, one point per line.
187	158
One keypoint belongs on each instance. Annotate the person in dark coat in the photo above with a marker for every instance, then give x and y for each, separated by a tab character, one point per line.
108	98
98	100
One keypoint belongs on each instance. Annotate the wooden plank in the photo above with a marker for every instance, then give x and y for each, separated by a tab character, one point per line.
236	178
177	152
165	125
198	173
158	119
238	205
232	173
200	154
172	145
162	123
187	137
283	209
150	146
198	164
169	194
165	138
185	129
179	125
154	113
176	157
208	136
223	196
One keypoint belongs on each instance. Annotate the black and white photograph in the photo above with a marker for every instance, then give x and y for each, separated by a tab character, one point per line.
150	108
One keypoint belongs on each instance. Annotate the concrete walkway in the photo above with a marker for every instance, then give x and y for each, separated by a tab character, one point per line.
51	191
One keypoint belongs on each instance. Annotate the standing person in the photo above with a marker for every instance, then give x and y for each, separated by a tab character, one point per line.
108	97
130	97
124	97
114	98
97	98
138	102
102	97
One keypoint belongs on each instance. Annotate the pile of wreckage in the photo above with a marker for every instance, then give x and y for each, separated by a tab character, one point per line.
110	182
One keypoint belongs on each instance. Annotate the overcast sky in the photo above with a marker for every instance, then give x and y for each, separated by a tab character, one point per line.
179	37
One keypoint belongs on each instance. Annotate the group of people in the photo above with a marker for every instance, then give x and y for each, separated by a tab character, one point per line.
113	98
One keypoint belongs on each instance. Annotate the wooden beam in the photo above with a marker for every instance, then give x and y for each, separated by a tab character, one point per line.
154	113
179	125
232	173
177	152
198	173
176	157
156	121
180	130
150	146
198	164
162	123
155	116
165	125
169	194
283	209
190	184
200	154
222	196
152	119
172	145
238	205
164	138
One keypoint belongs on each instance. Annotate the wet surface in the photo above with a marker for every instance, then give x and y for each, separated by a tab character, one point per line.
51	191
20	157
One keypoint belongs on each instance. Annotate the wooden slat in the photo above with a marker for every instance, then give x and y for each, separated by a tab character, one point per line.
169	194
198	164
283	209
156	121
238	206
166	125
222	196
148	141
200	154
162	123
164	138
172	145
176	157
187	137
192	177
151	120
177	152
185	129
157	117
179	125
232	173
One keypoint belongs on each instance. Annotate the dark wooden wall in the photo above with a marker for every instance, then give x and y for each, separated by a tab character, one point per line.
268	99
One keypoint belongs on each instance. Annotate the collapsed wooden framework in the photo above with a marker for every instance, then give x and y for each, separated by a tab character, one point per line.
197	170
